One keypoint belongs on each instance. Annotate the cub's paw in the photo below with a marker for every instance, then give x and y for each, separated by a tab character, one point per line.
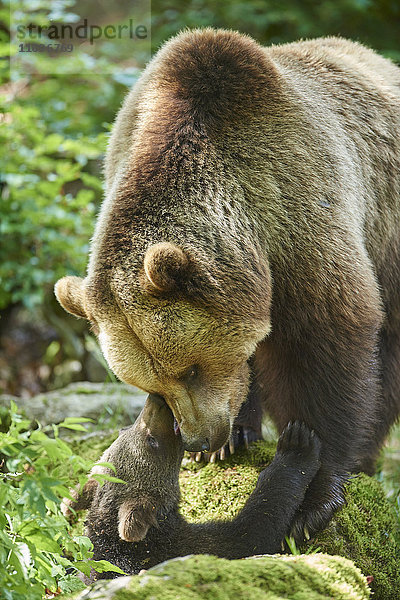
299	445
296	458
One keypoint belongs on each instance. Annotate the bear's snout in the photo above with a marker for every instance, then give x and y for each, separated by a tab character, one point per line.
200	444
206	441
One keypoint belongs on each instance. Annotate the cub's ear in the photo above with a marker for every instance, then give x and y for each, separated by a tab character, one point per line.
135	517
70	293
166	267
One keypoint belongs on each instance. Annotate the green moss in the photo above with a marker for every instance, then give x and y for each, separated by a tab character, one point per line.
367	531
220	490
216	493
314	577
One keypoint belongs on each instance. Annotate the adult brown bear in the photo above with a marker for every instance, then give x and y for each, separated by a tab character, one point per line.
249	242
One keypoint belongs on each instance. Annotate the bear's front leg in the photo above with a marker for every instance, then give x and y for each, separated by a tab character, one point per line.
324	497
326	373
265	520
297	460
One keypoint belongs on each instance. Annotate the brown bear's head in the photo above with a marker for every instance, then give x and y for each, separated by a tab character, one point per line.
159	334
178	281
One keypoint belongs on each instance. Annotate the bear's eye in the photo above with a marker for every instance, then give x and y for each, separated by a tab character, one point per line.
152	441
191	374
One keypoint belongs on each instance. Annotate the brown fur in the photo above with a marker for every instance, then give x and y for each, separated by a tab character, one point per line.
274	175
166	268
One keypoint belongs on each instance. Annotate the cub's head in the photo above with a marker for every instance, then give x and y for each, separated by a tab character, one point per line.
150	448
147	457
177	328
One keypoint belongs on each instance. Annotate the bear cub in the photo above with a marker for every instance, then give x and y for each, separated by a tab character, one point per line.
147	456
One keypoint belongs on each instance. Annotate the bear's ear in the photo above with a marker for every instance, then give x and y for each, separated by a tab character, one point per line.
70	293
135	517
165	267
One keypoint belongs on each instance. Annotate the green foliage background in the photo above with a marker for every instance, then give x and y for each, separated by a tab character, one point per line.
38	549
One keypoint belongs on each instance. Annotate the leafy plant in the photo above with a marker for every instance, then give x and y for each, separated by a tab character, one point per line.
37	549
53	137
45	225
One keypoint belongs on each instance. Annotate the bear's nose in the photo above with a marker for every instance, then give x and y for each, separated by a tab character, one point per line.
196	445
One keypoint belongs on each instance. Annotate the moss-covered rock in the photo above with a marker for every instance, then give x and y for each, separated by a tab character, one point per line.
219	490
306	577
366	530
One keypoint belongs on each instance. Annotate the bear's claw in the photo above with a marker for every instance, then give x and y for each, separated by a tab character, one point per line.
298	437
316	511
240	436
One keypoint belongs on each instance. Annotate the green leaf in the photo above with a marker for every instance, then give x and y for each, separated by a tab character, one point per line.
43	541
74	427
102	477
99	565
70	420
74	423
108	465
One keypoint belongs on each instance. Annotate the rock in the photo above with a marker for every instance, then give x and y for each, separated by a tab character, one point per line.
306	577
103	590
367	531
82	399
